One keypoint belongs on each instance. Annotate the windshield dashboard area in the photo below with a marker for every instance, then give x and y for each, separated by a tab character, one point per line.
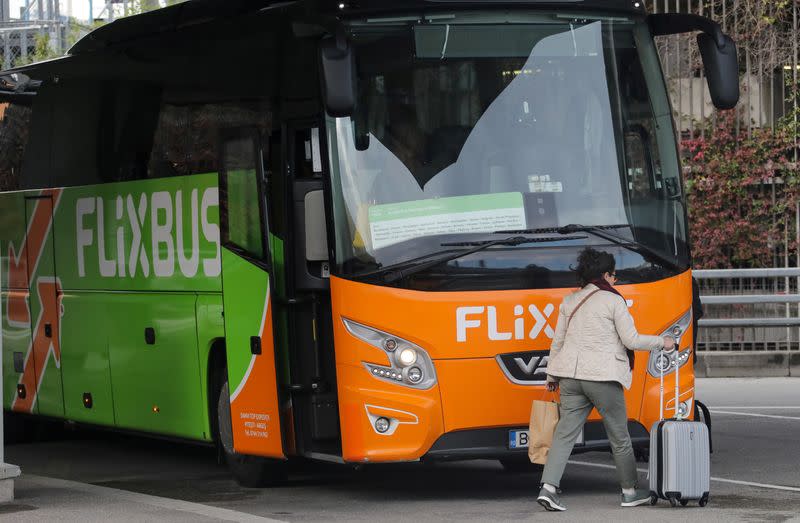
468	126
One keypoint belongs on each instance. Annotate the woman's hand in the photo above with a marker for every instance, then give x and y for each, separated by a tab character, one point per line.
669	343
552	386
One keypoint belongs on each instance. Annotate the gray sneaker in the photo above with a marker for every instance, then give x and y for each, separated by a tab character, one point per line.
550	501
640	497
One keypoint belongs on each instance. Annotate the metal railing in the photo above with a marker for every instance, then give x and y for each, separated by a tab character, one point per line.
749	310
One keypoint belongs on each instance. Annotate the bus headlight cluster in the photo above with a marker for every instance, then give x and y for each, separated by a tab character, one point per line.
409	365
668	362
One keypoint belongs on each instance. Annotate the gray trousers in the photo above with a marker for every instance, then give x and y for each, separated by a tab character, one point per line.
578	397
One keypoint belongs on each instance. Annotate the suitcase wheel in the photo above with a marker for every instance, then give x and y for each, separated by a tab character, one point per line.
673	501
653	499
684	502
704	500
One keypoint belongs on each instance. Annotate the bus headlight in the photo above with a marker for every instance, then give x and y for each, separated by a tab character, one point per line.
410	365
415	375
407	357
667	362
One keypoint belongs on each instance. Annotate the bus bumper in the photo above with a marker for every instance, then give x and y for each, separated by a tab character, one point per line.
493	443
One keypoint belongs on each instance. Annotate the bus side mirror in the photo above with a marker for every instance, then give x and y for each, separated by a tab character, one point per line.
722	70
338	74
718	50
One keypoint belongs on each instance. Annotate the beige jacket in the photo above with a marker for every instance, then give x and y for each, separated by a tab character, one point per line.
593	348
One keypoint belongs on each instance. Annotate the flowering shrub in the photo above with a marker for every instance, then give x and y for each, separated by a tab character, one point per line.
730	179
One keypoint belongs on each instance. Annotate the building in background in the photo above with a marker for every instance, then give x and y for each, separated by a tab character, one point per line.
767	38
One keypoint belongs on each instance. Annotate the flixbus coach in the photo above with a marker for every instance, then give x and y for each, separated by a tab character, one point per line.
336	230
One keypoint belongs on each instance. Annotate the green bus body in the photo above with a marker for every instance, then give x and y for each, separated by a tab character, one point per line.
125	257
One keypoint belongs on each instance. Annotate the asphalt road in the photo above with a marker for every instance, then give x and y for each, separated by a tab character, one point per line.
755	466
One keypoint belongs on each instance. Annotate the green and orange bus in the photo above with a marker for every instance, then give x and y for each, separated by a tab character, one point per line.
338	230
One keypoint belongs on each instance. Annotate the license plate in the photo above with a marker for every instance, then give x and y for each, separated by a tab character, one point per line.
518	439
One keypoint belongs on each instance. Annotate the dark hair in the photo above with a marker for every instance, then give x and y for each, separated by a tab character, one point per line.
593	264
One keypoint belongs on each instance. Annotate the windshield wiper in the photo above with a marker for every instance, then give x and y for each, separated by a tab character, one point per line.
601	231
393	273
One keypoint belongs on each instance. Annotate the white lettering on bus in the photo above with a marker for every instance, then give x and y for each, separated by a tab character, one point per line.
212	267
188	265
162	234
120	239
166	232
83	236
466	319
136	221
494	335
108	268
462	323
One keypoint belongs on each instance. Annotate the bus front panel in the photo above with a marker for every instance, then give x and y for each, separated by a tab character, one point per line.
489	352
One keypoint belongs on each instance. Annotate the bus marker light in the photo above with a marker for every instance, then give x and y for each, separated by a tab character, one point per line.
156	410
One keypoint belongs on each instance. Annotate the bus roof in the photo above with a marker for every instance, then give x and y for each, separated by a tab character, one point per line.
202	11
156	24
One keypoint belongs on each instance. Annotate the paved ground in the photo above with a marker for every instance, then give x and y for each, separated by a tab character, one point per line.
756	466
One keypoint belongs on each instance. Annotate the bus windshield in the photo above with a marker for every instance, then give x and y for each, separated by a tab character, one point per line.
463	129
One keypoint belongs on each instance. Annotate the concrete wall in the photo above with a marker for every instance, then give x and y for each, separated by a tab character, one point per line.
747	365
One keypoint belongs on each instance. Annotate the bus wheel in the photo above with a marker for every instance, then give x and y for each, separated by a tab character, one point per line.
520	465
18	428
249	471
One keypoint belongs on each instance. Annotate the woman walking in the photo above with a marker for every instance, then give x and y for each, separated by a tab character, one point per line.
590	364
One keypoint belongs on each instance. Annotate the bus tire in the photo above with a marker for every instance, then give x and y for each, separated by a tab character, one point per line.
520	465
248	471
17	428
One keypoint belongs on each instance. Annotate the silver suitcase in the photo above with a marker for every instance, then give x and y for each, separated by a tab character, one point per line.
680	462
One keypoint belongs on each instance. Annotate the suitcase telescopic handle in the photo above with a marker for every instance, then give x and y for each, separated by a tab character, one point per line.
676	349
677	381
661	390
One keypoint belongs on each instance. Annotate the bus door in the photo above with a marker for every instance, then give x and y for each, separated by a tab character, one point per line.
314	399
247	299
40	383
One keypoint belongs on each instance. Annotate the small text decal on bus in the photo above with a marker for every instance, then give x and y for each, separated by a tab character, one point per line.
149	231
528	325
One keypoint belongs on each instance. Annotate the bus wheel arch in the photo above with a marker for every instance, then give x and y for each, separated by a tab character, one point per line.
216	375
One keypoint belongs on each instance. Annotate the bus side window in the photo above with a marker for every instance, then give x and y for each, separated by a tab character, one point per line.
186	139
14	133
241	213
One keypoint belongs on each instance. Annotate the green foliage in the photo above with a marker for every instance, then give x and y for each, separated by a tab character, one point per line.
43	50
46	49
